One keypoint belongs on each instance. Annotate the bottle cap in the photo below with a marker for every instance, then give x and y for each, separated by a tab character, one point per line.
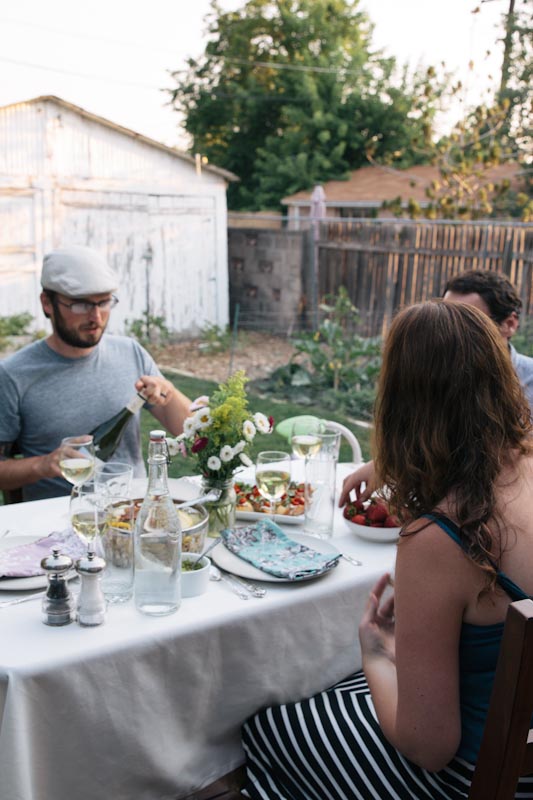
157	436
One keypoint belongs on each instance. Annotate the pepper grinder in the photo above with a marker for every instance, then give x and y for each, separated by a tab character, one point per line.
58	603
91	600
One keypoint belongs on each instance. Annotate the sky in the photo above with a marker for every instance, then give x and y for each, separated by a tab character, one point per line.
113	57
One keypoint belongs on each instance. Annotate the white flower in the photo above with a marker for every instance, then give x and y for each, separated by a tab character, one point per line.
239	447
248	430
173	446
261	423
189	427
214	463
202	418
200	402
226	454
246	460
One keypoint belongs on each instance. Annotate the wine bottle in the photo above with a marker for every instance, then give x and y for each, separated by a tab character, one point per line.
107	436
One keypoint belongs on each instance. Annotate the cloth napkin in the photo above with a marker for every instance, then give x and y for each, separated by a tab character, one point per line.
24	561
266	547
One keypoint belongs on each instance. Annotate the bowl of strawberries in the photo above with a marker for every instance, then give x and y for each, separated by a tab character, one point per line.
372	520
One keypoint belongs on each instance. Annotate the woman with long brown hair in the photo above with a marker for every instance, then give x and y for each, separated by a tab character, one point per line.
453	445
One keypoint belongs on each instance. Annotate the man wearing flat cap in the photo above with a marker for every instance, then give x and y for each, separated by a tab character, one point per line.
76	378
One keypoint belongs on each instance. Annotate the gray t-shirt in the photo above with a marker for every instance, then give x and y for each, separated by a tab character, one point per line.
524	369
45	397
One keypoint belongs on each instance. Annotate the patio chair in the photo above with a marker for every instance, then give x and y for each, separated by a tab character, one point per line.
284	428
506	751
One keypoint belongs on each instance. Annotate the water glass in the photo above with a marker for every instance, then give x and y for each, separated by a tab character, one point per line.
114	478
320	495
115	545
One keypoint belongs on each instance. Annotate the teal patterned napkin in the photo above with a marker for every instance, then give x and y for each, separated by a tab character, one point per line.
266	547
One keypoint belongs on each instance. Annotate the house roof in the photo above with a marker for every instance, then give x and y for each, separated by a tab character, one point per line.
370	186
222	173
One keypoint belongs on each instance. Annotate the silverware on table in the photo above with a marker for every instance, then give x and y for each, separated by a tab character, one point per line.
352	560
17	600
216	575
256	591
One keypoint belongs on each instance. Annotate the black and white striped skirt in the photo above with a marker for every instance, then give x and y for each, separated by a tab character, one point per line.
330	747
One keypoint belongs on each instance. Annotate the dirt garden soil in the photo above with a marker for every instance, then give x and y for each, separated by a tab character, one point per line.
258	354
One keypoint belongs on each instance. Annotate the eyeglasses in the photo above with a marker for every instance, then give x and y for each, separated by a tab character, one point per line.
86	306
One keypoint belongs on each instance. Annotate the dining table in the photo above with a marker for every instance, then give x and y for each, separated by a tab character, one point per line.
151	708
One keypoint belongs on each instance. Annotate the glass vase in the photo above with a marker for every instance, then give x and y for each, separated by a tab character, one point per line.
222	511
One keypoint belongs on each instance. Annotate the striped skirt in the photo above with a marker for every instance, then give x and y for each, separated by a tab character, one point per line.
330	747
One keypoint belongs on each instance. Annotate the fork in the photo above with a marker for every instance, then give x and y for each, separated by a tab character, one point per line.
216	575
352	560
6	603
256	591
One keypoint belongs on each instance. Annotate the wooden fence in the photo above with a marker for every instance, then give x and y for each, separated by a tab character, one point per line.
386	265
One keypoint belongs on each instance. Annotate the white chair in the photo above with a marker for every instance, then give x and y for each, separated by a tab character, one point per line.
284	428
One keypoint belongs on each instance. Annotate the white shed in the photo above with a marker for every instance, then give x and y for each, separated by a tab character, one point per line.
158	215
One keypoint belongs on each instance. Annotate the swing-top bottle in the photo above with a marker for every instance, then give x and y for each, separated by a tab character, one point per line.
157	588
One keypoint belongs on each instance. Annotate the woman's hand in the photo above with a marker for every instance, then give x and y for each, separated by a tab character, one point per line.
364	474
376	630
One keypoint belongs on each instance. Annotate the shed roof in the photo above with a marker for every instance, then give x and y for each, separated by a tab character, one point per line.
370	186
222	173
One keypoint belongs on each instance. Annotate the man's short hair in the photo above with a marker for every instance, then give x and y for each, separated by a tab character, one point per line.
494	288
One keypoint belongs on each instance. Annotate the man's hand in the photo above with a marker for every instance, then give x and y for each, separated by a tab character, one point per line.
156	390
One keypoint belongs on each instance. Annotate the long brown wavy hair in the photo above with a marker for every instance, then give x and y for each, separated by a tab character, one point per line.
450	411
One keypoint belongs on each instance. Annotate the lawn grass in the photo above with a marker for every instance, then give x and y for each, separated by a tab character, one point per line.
194	387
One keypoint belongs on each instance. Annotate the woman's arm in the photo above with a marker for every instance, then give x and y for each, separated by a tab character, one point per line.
417	697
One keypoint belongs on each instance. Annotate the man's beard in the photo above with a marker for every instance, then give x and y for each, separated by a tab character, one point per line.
71	337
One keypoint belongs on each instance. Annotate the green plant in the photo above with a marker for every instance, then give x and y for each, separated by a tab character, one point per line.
14	325
214	338
148	329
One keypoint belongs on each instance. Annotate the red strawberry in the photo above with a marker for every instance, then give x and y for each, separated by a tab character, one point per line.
392	521
359	504
377	512
359	519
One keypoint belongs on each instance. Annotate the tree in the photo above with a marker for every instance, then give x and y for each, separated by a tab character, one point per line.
289	93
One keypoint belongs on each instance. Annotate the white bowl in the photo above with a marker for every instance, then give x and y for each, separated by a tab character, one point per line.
373	534
196	581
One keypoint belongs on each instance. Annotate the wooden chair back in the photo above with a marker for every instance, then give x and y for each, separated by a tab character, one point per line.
506	752
12	495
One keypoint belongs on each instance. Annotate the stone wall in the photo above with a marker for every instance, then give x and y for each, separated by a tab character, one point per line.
268	279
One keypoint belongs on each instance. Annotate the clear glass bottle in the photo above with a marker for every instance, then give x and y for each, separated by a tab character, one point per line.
157	587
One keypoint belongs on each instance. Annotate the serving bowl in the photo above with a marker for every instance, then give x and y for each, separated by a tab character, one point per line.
194	521
194	581
372	534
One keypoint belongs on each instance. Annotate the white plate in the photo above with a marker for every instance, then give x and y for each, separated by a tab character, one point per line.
383	535
281	519
228	561
23	584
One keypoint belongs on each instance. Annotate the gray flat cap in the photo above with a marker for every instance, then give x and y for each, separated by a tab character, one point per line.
77	272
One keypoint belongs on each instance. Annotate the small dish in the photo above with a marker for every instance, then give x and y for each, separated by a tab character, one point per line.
196	581
383	535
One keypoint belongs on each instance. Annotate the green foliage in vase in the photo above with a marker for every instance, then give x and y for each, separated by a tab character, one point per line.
221	429
290	93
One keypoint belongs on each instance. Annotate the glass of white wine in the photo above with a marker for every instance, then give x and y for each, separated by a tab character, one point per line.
88	512
273	475
76	459
305	437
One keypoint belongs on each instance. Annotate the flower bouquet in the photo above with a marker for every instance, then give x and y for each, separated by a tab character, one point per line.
219	433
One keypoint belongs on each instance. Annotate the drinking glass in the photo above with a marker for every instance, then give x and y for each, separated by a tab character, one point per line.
114	478
115	544
273	475
76	459
305	440
88	515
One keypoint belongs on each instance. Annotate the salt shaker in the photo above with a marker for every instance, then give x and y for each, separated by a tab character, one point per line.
58	605
91	600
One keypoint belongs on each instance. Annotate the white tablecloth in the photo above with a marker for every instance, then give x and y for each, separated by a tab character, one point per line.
145	708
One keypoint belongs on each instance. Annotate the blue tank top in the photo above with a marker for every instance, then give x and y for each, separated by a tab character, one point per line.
479	646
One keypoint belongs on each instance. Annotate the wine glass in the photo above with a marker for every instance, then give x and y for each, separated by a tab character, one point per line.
88	512
273	475
305	437
76	459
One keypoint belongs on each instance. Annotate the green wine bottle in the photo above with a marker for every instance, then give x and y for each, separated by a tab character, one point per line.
107	436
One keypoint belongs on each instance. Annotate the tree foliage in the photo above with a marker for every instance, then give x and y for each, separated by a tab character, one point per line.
289	93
